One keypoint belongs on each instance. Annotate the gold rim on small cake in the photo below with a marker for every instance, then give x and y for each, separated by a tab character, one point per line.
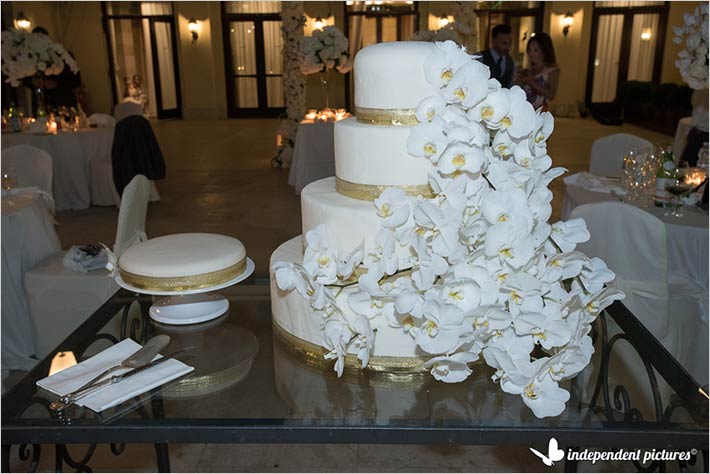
393	117
184	283
370	192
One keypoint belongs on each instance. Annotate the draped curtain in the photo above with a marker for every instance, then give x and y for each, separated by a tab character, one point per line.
606	62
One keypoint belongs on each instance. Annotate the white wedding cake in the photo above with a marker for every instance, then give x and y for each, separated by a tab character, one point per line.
430	249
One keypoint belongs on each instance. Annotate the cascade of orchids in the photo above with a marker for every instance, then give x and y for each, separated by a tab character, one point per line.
487	277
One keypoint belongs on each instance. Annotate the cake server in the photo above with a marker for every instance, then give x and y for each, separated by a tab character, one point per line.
141	357
72	397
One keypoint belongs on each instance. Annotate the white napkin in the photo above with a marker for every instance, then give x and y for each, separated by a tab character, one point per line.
595	183
74	377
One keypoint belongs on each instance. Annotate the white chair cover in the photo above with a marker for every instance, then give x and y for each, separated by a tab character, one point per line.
60	299
125	109
33	166
102	120
131	217
608	153
632	242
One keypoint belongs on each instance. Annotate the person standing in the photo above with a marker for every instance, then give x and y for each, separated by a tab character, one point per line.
497	57
542	79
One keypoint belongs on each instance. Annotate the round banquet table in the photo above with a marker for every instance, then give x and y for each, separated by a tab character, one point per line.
313	154
687	236
72	153
28	237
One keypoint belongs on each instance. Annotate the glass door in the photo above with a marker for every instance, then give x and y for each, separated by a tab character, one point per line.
627	45
253	59
167	85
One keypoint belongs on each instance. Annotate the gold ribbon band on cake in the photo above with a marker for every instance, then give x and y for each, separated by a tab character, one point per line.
184	283
316	353
370	192
386	116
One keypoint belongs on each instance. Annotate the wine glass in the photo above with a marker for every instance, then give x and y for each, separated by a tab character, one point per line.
678	188
9	180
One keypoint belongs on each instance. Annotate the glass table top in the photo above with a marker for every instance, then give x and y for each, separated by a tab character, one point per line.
245	376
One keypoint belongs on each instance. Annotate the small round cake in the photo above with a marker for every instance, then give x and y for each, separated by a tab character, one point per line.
182	262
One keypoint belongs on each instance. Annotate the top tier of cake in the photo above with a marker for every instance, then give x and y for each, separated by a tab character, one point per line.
391	75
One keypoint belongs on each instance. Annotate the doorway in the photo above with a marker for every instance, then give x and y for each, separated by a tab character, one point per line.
253	46
143	56
626	45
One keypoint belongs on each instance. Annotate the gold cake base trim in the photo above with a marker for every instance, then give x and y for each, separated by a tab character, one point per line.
392	117
315	353
184	283
370	192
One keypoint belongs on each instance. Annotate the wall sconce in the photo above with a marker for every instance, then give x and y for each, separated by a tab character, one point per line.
443	21
646	34
567	22
193	26
22	22
319	24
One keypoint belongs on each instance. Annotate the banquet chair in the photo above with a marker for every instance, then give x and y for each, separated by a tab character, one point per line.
126	109
33	166
607	159
61	299
632	242
136	150
102	120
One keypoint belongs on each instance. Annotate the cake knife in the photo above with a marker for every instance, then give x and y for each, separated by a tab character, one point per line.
70	398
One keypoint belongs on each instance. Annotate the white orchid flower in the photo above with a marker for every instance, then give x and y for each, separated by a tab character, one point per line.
441	65
503	145
460	157
595	275
463	293
509	347
510	242
489	319
545	330
596	303
484	280
492	109
520	120
452	189
382	259
364	339
427	139
336	337
544	125
564	266
452	369
567	234
431	108
568	362
522	293
469	86
364	304
539	202
503	206
428	268
442	329
290	276
442	225
545	397
393	206
319	259
354	258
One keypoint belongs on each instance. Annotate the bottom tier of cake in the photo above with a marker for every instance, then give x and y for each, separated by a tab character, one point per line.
302	327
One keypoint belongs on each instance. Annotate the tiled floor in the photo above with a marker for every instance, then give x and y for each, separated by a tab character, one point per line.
220	180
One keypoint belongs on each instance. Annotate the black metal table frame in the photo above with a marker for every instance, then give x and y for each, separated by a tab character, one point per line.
659	434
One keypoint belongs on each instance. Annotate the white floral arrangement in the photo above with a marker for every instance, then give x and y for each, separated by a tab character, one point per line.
325	49
26	54
292	22
461	31
488	278
693	60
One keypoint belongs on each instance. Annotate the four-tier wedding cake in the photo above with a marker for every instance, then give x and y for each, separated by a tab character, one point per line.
430	248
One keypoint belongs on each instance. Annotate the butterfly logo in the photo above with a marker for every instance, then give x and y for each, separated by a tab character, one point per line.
553	453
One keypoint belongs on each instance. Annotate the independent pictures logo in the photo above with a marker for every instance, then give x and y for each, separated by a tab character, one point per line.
555	454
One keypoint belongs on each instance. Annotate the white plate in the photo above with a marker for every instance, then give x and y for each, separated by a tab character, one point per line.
242	276
188	309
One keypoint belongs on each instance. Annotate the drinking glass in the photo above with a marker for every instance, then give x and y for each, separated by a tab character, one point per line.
678	188
634	175
9	180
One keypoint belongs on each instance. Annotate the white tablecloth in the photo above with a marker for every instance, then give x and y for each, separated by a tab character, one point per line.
681	135
28	237
313	154
687	237
72	153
